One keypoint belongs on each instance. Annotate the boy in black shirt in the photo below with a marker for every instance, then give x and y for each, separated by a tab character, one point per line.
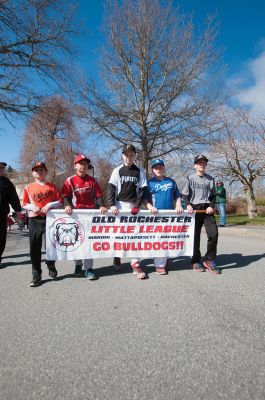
127	186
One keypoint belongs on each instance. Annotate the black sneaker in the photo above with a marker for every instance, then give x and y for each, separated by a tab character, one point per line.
36	281
52	272
78	270
117	264
198	267
211	266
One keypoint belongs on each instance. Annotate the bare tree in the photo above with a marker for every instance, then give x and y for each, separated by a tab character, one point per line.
160	84
51	136
240	154
34	41
103	169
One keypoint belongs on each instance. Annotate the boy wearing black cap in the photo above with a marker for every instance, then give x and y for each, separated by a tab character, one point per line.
163	195
8	195
82	191
39	197
127	187
199	195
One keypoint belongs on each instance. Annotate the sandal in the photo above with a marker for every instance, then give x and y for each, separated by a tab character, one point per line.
140	274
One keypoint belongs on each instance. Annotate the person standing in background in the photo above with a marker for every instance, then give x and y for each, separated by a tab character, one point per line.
220	201
8	195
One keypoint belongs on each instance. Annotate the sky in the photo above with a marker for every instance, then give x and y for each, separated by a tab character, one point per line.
241	38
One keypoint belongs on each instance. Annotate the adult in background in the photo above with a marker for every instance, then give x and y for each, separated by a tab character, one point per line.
82	191
220	201
8	196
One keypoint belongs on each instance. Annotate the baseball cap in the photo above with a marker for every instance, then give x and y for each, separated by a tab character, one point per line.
157	161
200	157
3	163
128	147
39	164
81	157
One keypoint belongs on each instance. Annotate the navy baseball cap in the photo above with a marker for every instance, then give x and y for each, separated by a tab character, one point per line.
200	157
157	161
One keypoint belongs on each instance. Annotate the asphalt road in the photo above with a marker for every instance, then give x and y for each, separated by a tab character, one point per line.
181	336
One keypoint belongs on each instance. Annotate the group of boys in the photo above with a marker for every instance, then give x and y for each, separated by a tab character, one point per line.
128	189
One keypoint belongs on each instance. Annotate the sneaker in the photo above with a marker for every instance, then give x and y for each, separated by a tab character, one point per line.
161	271
78	269
211	266
89	274
198	267
117	264
52	272
140	274
36	281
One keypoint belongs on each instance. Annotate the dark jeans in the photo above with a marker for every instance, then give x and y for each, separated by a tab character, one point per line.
37	227
3	228
208	220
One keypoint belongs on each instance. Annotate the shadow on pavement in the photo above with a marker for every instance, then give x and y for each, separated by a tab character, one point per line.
17	255
237	260
13	264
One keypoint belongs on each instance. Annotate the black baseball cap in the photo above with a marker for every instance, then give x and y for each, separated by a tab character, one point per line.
128	147
3	163
200	157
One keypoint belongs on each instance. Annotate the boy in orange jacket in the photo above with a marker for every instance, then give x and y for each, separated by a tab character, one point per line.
38	198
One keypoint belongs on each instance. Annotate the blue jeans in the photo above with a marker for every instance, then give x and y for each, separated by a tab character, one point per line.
221	210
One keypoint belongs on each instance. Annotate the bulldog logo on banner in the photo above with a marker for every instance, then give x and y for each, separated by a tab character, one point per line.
66	234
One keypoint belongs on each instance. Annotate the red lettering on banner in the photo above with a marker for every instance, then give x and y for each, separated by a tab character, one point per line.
163	229
148	246
97	246
112	229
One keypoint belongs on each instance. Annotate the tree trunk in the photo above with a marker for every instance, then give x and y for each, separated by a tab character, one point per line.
251	201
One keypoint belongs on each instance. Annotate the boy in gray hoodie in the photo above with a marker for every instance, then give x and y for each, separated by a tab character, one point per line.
199	196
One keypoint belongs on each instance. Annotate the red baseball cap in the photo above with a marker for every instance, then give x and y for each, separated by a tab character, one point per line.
81	157
39	165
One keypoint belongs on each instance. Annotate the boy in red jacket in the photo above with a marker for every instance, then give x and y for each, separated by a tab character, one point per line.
82	191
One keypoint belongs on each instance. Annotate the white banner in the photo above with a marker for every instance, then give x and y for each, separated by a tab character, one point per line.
89	234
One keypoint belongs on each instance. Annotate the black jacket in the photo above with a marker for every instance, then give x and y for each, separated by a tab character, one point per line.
8	195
